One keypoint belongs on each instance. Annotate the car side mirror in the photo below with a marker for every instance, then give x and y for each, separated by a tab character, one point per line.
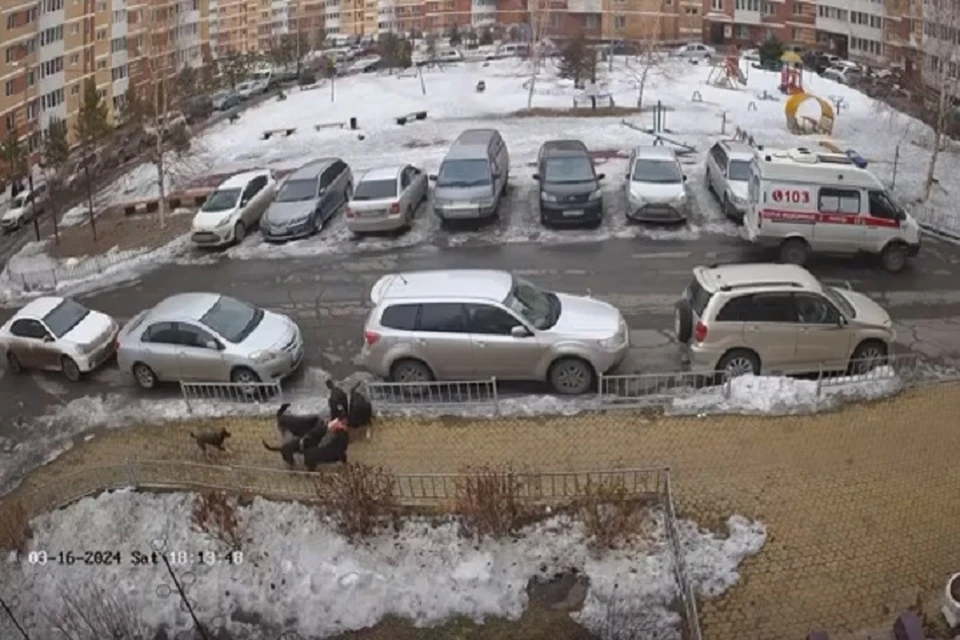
519	331
48	338
684	178
601	176
432	177
842	320
213	344
536	177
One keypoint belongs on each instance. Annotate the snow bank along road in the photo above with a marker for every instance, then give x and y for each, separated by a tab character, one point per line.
327	295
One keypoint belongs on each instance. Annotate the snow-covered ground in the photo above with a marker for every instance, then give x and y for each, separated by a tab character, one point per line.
298	574
453	105
42	440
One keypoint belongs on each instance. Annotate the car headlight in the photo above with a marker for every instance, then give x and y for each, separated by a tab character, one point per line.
223	222
84	349
596	195
612	342
681	198
635	197
737	199
483	202
547	197
261	357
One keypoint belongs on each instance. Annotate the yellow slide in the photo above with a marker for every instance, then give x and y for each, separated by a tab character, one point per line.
806	125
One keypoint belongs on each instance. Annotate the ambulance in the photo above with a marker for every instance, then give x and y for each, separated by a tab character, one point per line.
802	201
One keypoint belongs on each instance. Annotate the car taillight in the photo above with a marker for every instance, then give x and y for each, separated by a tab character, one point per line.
701	332
350	212
370	337
395	208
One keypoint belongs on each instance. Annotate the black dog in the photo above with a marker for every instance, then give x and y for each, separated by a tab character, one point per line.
333	447
287	450
314	437
210	439
360	411
337	402
295	427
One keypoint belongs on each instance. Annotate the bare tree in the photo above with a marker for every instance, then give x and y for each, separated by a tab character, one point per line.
539	20
941	61
87	612
649	62
92	128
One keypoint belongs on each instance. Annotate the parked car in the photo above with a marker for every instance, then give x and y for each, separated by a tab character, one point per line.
58	334
777	319
234	208
728	176
225	100
465	324
844	72
386	199
695	51
655	187
307	200
569	184
246	90
472	177
23	207
751	55
208	337
197	109
168	125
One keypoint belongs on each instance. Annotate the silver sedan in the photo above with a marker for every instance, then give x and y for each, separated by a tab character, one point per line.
208	337
386	199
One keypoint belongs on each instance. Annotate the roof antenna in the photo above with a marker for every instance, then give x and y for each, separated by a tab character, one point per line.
402	279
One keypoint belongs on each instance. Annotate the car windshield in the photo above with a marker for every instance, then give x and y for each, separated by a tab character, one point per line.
375	189
64	317
231	319
221	200
739	170
841	301
657	172
298	190
540	308
17	203
464	173
568	170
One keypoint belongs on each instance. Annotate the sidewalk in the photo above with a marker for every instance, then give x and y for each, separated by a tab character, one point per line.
860	504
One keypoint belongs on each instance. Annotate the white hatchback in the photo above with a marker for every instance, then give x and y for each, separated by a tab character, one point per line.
655	186
234	208
58	334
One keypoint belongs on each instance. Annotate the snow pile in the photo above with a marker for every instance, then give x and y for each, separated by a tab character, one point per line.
771	395
425	572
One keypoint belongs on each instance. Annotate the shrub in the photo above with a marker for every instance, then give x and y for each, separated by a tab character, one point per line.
609	512
87	612
215	513
14	526
363	498
488	500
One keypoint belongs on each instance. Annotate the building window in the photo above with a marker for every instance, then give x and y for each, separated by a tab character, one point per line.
11	121
11	87
101	34
619	22
75	28
74	58
743	32
797	9
716	5
101	6
101	64
75	90
796	34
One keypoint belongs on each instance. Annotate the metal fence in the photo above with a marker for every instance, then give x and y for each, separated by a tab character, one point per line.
942	221
688	597
247	393
906	368
654	389
48	279
437	394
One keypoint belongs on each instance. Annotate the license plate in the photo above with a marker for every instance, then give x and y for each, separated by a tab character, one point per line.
573	213
372	214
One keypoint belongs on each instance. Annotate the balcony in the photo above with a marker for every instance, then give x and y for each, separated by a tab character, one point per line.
585	6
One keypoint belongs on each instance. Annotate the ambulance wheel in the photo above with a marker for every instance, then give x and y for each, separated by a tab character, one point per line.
894	257
794	251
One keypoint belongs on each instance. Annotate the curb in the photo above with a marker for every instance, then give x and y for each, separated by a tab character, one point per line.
952	236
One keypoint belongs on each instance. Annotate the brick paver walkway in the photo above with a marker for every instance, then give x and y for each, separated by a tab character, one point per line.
861	504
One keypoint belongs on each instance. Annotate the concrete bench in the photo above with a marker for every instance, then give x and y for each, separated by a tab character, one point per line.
274	132
414	115
329	125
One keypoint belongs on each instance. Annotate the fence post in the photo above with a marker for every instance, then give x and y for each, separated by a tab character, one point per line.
131	473
820	380
186	397
496	396
727	385
600	387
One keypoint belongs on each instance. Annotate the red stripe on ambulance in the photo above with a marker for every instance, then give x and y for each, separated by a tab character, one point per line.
812	217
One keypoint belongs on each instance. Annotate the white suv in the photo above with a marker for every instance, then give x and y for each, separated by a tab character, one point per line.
472	324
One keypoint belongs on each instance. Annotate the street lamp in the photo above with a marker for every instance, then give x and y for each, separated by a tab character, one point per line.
22	63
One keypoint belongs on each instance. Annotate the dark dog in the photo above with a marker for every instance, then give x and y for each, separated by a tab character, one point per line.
337	402
314	437
287	450
360	411
210	439
295	427
333	447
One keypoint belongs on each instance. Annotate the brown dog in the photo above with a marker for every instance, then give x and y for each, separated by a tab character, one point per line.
211	439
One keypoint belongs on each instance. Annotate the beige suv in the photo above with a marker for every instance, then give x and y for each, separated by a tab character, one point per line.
474	324
777	319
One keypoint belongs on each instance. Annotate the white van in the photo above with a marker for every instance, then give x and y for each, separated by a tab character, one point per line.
803	201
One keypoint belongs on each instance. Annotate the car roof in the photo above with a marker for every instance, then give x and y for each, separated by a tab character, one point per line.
458	284
737	149
560	148
738	276
651	152
382	173
240	180
187	306
38	307
312	169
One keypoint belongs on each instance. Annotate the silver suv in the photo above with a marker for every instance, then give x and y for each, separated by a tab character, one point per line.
465	324
728	174
777	319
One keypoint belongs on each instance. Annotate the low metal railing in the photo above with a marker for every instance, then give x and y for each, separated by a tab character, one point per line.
904	368
230	392
688	597
434	394
654	389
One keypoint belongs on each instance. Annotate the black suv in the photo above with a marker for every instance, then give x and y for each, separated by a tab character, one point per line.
569	185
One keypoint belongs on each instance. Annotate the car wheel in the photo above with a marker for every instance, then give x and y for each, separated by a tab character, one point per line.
244	375
144	376
13	363
709	183
893	257
794	251
570	376
70	369
239	233
867	356
410	370
739	362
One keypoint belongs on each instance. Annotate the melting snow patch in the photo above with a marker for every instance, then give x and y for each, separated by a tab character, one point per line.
788	396
425	572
